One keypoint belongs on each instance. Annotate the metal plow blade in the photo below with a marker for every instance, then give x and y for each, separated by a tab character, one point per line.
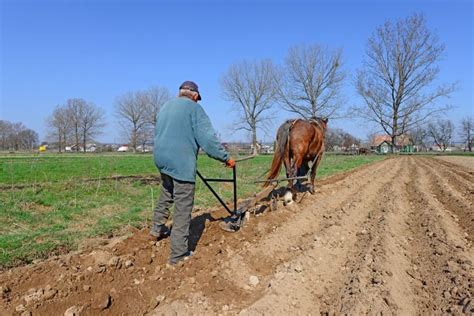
238	219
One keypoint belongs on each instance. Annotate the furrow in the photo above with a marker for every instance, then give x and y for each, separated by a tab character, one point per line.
308	281
439	263
455	200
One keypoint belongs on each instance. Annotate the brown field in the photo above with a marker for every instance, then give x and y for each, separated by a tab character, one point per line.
467	162
393	237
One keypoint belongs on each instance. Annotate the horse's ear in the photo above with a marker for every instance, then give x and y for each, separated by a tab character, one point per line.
325	120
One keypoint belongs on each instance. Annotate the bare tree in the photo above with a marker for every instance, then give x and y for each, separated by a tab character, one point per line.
130	110
15	136
250	86
336	137
152	100
59	125
5	132
86	121
372	137
467	132
349	140
75	109
91	123
398	72
418	137
332	138
311	81
441	133
28	139
155	97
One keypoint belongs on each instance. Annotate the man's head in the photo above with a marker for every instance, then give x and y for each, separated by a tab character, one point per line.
190	89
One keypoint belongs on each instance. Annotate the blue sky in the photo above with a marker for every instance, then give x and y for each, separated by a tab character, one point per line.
99	50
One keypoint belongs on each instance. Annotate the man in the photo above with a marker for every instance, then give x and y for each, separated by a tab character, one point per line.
182	127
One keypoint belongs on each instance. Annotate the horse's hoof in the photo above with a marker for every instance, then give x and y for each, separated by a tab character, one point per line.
312	191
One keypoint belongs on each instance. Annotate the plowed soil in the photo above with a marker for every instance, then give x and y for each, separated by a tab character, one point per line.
394	237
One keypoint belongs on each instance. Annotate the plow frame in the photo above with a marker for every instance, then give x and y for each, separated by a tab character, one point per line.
238	215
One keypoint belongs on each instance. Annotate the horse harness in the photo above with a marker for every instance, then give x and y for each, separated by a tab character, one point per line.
311	121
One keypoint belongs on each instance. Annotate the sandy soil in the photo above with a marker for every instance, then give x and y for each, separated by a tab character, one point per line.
394	237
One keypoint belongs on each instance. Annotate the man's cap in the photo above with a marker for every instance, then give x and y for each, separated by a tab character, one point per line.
190	85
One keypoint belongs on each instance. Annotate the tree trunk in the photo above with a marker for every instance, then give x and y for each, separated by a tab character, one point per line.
394	144
77	138
60	139
134	140
469	141
254	140
64	140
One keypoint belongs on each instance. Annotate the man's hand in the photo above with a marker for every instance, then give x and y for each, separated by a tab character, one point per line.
230	163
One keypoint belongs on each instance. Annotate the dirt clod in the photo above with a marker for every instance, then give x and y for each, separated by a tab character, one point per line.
74	311
104	302
114	261
20	308
298	268
253	280
155	301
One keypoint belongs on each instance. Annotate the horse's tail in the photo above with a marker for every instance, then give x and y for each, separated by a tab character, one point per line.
281	144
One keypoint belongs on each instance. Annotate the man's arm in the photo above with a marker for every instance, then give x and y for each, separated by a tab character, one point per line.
206	137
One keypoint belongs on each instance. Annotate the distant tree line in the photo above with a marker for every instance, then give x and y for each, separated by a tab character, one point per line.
75	123
441	132
16	136
336	137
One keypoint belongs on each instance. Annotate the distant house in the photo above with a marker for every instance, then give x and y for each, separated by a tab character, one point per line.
266	149
435	147
123	148
383	144
239	148
384	147
91	148
145	148
72	148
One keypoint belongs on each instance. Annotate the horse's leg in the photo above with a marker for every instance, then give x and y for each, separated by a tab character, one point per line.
288	195
302	170
313	172
287	163
298	165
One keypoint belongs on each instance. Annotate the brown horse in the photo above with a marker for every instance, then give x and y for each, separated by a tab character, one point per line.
298	143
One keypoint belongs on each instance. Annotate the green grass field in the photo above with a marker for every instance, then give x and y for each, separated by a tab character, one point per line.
50	203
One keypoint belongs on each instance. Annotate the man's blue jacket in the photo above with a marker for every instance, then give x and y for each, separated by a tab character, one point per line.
182	127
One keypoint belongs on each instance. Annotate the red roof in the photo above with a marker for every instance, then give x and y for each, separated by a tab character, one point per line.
401	140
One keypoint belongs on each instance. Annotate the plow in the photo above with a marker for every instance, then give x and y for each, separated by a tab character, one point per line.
239	213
